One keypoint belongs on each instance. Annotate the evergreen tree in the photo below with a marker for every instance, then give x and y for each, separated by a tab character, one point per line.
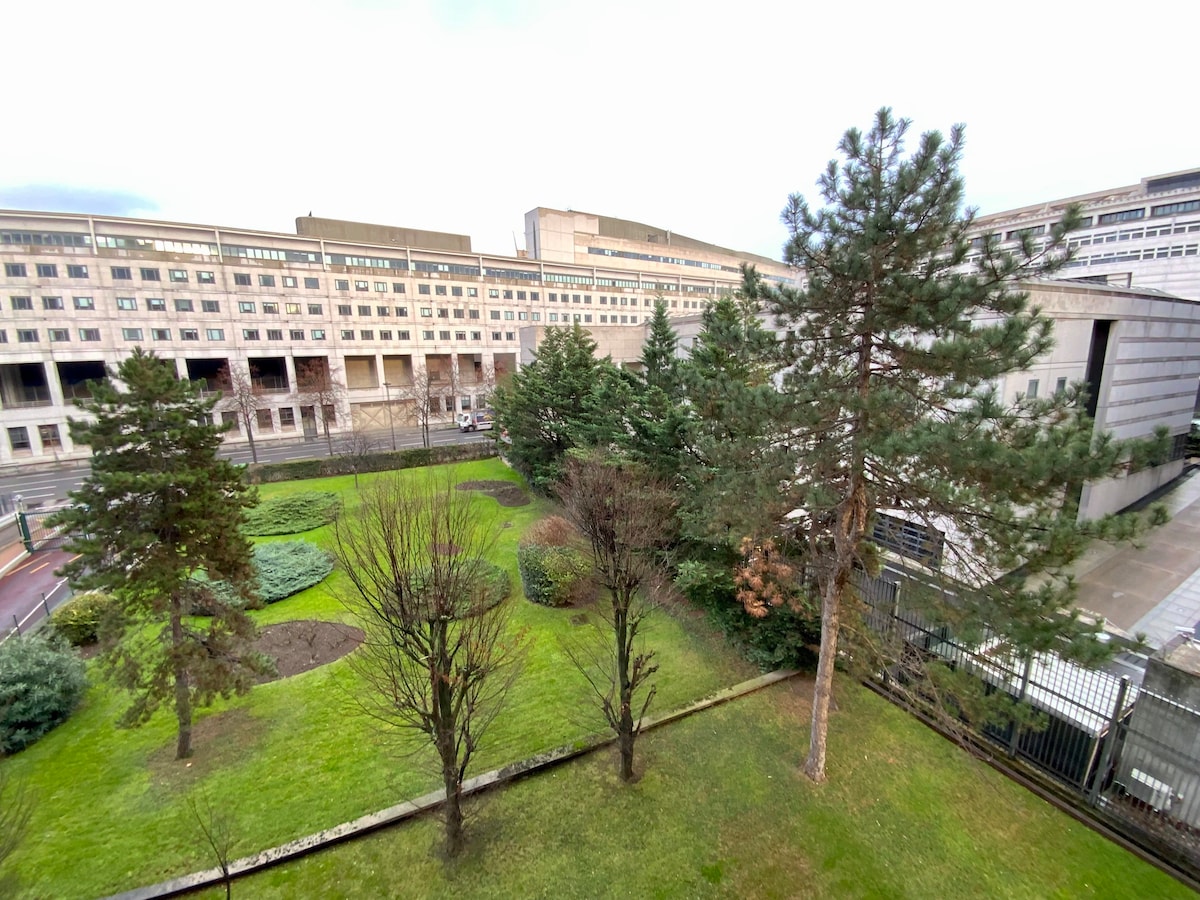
660	367
158	509
886	375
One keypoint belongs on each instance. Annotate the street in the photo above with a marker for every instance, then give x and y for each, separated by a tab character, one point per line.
49	487
32	589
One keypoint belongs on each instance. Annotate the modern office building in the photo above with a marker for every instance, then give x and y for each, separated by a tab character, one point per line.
1145	235
396	317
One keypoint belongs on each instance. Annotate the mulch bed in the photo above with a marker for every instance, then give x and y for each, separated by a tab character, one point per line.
503	492
306	644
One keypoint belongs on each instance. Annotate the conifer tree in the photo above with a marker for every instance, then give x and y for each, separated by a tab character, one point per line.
886	381
660	367
158	509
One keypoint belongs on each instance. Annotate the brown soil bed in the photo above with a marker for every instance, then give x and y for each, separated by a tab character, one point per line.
506	493
306	644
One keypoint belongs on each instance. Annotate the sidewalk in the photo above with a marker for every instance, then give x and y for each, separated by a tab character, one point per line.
1154	588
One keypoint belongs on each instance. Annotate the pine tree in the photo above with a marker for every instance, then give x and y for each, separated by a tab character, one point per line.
158	509
660	367
886	377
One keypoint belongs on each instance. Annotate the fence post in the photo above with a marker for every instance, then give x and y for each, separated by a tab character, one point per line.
45	605
23	529
1016	729
16	624
1110	745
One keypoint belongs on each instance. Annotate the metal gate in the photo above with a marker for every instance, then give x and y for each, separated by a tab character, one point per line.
36	534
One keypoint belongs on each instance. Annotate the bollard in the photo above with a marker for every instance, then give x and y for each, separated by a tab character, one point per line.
45	605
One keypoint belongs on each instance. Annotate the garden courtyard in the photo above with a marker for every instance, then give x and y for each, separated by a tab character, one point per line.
720	807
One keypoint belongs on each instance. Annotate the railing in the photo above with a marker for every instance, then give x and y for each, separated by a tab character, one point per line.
27	398
40	613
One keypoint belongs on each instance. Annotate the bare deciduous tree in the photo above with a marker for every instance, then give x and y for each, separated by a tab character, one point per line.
317	384
438	657
625	515
424	396
243	397
217	826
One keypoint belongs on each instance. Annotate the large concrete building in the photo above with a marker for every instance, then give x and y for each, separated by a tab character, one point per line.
394	315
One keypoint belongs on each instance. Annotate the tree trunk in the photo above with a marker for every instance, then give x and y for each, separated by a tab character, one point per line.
328	439
250	438
625	734
445	726
183	699
831	605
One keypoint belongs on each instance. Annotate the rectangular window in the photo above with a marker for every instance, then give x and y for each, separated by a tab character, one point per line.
121	273
1032	389
495	335
77	272
533	295
206	278
318	334
215	334
89	334
443	313
383	311
296	334
494	315
366	334
189	334
520	295
244	306
537	316
364	311
182	304
84	303
270	308
151	275
455	291
18	439
493	294
402	310
131	334
211	306
397	287
265	421
403	335
316	309
347	334
574	298
21	302
59	335
477	335
293	309
381	287
229	420
472	314
1124	215
427	311
52	303
250	334
160	334
460	313
312	284
362	286
241	278
587	317
460	335
266	281
289	281
385	335
48	435
287	418
156	304
343	309
508	295
510	335
14	270
427	335
472	292
177	275
440	290
128	304
603	319
47	270
1061	386
423	289
508	315
523	316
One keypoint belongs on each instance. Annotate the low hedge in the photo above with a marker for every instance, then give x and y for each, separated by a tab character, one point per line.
554	571
372	462
81	620
42	680
292	513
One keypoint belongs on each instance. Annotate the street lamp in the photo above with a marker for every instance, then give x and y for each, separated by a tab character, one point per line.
387	390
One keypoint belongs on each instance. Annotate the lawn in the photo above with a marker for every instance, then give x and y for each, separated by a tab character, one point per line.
722	811
295	756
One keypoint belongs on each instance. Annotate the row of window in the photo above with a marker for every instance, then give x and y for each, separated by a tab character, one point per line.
134	334
18	438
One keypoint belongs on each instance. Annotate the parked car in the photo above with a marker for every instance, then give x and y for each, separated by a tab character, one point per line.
479	420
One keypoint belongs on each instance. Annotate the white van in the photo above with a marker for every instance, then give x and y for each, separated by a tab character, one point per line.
479	420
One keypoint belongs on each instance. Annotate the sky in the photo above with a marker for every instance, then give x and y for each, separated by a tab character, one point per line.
461	115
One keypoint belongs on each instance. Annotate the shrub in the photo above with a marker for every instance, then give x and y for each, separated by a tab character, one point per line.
292	514
494	587
41	681
283	568
371	462
81	620
554	571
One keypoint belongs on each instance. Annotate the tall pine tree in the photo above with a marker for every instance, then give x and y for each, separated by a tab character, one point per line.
158	509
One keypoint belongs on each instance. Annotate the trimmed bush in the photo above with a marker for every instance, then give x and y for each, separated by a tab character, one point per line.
81	619
494	587
370	462
284	568
554	571
292	514
41	681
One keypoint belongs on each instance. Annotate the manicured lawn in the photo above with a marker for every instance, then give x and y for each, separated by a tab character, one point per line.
722	811
295	756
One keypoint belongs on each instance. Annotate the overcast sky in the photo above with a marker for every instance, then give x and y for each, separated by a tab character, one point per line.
460	115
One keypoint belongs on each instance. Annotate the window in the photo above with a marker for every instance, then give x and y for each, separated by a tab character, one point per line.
151	275
182	304
443	335
206	278
77	272
341	284
89	334
427	311
510	335
423	289
3	336
587	317
215	334
241	278
459	313
52	303
189	334
523	316
121	273
385	335
403	335
440	290
402	310
265	420
212	306
312	284
397	287
508	315
493	293
472	314
362	286
15	270
448	402
48	435
520	295
177	275
533	295
909	539
1061	386
427	335
287	418
347	334
472	292
460	335
456	292
266	281
250	334
603	318
383	311
508	295
156	304
1032	389
494	315
244	306
229	419
495	335
366	335
574	298
58	335
443	313
1124	215
292	309
131	334
318	334
160	334
84	303
296	334
316	309
47	270
270	309
21	302
477	335
18	439
129	304
364	311
381	287
343	309
537	316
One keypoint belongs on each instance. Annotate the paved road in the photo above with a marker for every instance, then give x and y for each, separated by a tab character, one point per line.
22	589
49	487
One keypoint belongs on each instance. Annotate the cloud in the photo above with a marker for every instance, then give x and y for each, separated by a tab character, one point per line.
65	198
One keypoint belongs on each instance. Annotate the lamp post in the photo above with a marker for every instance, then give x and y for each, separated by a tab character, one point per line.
387	389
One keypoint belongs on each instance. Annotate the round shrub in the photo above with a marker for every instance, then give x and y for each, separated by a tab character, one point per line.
554	571
81	619
41	681
283	568
292	513
492	586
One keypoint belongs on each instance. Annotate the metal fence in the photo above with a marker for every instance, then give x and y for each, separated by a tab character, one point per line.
39	614
38	534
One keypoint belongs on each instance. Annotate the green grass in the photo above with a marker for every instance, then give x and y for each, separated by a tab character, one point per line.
295	756
722	811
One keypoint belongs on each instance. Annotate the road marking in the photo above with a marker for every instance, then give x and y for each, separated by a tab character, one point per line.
39	568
